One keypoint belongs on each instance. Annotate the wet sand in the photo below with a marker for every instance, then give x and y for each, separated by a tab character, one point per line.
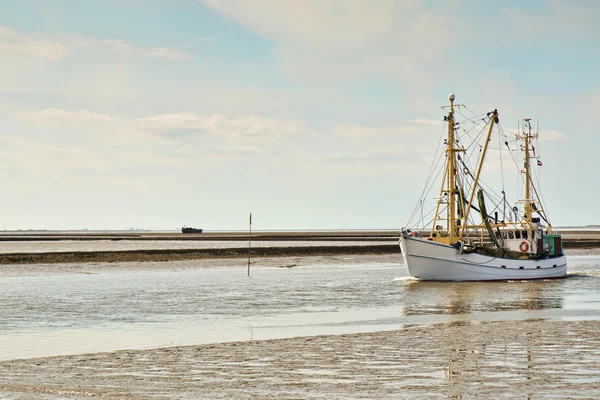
526	359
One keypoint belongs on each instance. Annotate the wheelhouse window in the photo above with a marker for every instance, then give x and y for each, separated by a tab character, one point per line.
517	234
525	234
511	235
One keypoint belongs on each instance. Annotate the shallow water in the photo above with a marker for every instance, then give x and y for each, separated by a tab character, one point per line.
50	313
42	246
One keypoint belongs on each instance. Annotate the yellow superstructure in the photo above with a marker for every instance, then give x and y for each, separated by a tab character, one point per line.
458	207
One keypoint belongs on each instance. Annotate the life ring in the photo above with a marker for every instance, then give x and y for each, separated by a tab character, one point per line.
524	246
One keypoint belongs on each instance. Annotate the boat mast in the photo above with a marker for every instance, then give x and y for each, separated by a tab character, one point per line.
531	202
493	119
527	136
451	170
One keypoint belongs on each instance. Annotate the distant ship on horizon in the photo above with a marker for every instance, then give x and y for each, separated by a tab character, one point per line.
189	229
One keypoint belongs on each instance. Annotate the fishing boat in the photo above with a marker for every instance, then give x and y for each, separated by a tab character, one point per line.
458	239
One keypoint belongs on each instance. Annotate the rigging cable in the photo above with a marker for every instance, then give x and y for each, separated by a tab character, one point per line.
514	158
540	198
539	178
430	175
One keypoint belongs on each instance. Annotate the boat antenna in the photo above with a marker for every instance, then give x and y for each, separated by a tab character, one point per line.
249	241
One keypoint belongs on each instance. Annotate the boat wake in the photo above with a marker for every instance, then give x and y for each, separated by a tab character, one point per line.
406	279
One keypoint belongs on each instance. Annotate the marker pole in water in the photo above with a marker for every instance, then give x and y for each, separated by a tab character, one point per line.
249	241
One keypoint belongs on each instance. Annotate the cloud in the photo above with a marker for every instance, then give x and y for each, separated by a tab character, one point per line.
367	131
229	135
346	39
375	156
368	162
107	144
56	46
390	150
248	149
220	125
34	45
380	148
549	135
169	54
53	118
414	127
563	21
410	43
425	121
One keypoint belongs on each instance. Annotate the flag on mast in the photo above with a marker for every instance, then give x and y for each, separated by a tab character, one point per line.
251	216
539	162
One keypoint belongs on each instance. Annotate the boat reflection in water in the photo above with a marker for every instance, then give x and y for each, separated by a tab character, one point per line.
429	298
496	336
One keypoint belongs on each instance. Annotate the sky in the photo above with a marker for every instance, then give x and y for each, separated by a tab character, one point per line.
311	114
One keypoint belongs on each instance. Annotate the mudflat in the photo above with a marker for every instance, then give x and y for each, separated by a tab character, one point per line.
581	239
522	359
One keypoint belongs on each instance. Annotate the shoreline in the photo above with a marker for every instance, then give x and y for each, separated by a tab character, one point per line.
572	240
165	255
347	235
320	235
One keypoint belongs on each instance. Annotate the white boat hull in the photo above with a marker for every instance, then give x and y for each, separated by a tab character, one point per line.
428	260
